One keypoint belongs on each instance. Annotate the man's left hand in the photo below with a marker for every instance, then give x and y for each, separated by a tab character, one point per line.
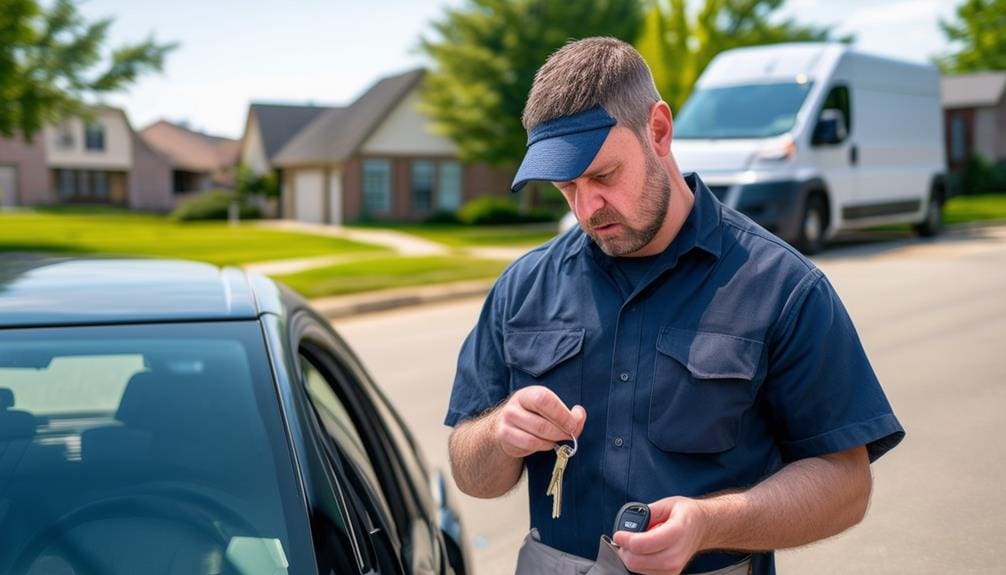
677	527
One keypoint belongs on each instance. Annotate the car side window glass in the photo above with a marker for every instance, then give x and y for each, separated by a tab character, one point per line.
338	424
838	99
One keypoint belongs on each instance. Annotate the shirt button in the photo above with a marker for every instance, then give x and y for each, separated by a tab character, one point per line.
624	376
619	442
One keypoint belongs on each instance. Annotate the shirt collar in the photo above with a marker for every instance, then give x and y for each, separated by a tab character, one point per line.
700	230
705	216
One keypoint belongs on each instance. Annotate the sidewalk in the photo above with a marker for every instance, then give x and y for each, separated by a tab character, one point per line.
404	244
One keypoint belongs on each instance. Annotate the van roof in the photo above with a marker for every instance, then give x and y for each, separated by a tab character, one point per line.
813	60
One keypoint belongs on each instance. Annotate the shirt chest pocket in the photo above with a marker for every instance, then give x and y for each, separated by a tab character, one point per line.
552	358
703	383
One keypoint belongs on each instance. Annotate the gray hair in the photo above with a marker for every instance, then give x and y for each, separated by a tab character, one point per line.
590	72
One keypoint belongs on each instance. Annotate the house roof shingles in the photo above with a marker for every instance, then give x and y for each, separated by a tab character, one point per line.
278	123
972	90
338	133
190	150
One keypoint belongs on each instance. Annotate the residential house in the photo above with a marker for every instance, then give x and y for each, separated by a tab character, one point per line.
199	161
974	107
268	127
24	177
100	160
378	158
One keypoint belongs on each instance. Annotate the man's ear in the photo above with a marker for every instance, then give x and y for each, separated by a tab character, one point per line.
661	128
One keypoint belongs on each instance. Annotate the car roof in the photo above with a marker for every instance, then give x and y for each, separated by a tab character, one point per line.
76	291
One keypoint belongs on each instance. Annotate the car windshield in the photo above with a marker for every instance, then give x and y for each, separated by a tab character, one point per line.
128	447
750	111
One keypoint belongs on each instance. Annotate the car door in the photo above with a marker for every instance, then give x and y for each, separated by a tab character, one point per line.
361	445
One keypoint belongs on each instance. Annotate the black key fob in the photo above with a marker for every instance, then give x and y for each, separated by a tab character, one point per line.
633	516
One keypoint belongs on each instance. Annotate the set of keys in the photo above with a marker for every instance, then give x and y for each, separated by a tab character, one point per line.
562	455
633	516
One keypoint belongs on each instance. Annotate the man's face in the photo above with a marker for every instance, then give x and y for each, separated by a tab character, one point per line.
621	199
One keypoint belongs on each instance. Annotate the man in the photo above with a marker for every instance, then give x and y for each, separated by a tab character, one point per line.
704	366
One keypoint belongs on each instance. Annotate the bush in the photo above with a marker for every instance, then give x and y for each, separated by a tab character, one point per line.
213	205
442	217
981	176
494	210
248	184
489	210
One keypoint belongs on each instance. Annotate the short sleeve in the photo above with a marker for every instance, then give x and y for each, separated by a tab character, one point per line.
482	378
821	390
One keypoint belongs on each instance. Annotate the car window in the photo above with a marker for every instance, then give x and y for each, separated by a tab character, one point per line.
340	426
335	418
838	99
145	445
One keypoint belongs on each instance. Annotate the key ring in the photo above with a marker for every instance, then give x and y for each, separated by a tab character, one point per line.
573	452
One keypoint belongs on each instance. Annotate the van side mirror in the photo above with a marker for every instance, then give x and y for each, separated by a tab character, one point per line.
830	128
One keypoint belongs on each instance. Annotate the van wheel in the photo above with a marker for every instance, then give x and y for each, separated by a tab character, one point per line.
813	225
933	223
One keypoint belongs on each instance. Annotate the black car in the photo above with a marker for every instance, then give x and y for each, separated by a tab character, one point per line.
174	417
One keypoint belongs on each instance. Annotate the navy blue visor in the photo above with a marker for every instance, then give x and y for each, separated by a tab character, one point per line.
561	149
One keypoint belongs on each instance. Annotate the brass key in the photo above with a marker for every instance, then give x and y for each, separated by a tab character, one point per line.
562	455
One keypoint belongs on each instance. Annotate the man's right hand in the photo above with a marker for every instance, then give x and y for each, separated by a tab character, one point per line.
535	419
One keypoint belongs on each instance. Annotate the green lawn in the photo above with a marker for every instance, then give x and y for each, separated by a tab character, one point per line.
461	236
961	209
388	272
114	232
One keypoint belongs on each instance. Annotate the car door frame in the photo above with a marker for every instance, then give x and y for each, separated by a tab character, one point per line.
330	355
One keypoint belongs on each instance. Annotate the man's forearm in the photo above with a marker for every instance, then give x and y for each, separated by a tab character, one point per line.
805	501
479	465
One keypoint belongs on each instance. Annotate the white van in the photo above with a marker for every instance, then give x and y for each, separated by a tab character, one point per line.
810	139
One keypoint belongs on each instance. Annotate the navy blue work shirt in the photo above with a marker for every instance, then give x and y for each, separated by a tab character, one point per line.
731	357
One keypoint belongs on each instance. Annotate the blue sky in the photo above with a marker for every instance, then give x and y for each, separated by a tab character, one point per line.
327	52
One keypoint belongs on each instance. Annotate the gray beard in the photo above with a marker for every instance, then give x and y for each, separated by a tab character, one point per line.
655	199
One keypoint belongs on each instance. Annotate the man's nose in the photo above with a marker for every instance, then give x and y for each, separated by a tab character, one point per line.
589	199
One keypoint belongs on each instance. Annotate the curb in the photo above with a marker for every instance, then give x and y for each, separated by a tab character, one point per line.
338	307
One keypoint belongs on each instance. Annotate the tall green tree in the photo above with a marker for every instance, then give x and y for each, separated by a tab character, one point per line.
50	61
485	54
978	32
678	42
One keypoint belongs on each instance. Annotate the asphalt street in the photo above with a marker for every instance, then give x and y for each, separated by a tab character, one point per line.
932	316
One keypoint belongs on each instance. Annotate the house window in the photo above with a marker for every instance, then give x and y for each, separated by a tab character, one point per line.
83	183
94	137
376	186
958	136
449	190
65	138
422	185
101	185
66	183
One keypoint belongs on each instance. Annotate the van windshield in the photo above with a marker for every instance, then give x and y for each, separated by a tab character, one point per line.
750	111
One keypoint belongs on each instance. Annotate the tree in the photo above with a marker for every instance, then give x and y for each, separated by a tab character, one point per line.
978	31
485	54
48	58
678	47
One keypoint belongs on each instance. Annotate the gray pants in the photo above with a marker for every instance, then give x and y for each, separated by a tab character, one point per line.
536	558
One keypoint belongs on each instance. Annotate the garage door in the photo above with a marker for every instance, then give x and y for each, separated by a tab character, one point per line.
308	188
8	185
